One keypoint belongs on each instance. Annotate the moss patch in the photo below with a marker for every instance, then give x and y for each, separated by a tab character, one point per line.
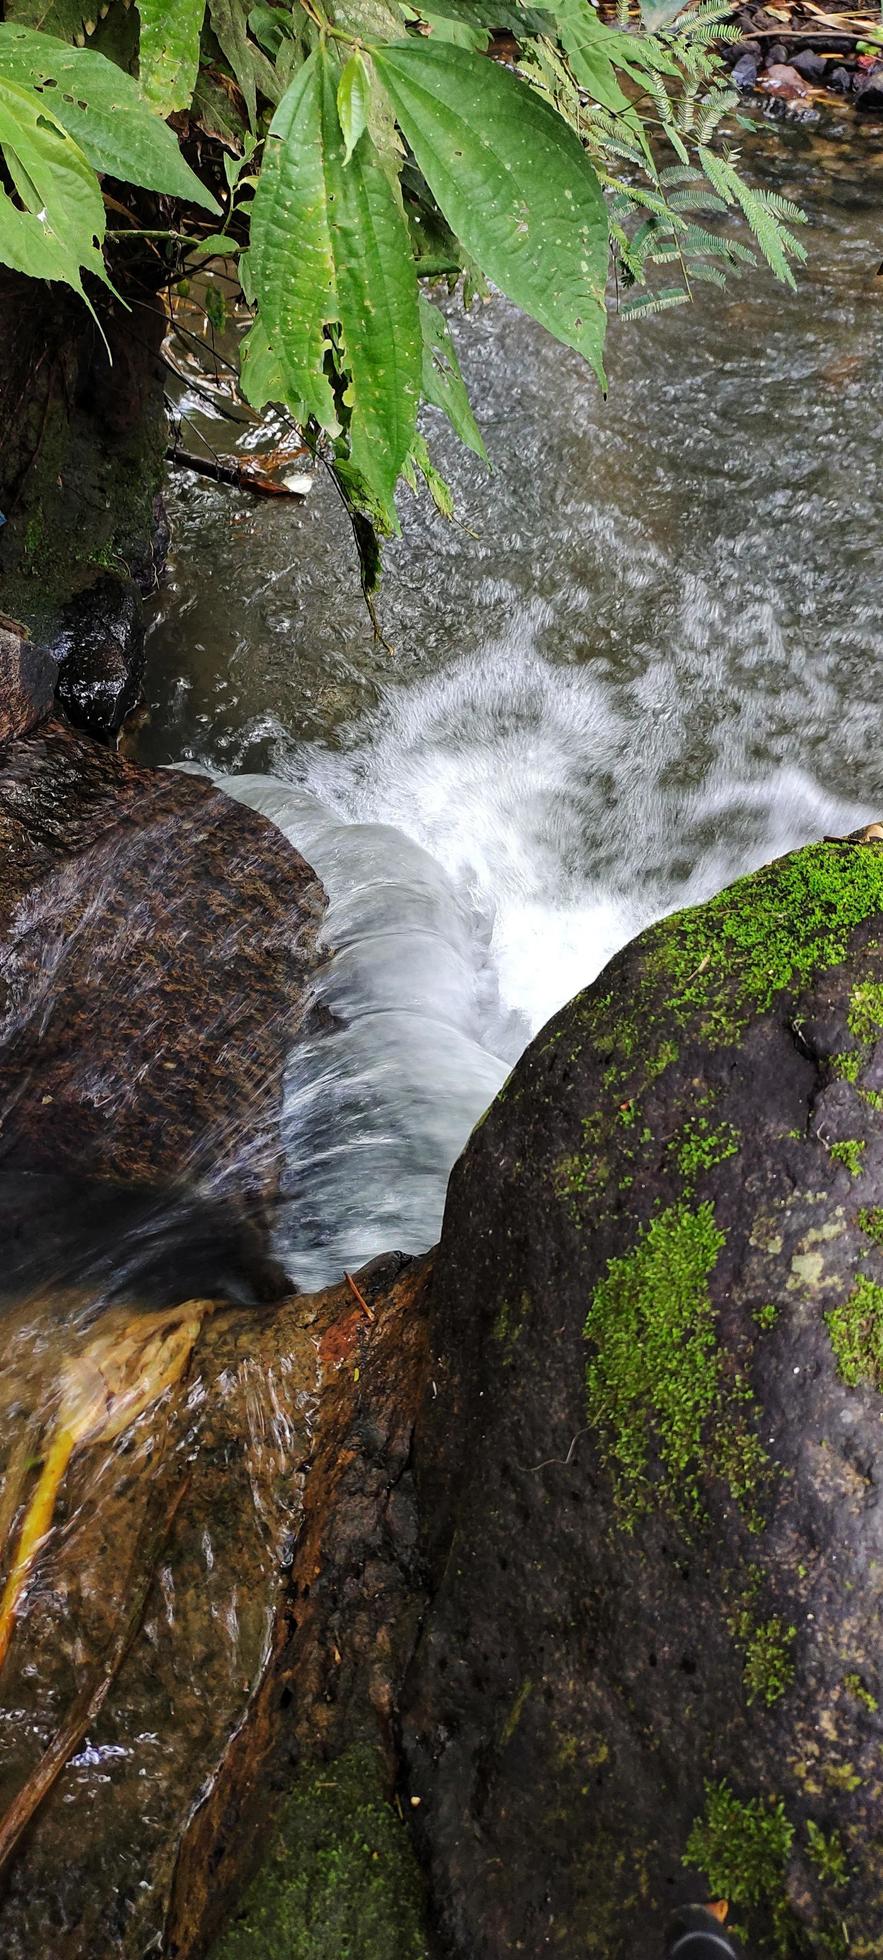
339	1881
699	1146
655	1386
849	1153
856	1331
742	1849
871	1222
827	1854
865	1019
769	1662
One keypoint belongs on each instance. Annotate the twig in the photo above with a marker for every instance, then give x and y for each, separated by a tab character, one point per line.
563	1460
359	1296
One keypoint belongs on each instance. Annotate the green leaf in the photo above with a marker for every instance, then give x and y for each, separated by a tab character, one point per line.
443	384
330	248
439	489
103	110
583	38
60	229
353	99
71	20
219	245
168	51
248	62
513	182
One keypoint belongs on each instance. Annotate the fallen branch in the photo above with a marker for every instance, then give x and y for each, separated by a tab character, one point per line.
238	475
359	1296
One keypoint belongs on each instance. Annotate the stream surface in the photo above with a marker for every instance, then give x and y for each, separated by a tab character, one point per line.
646	660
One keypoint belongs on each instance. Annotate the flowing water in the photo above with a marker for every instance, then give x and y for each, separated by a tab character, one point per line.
647	659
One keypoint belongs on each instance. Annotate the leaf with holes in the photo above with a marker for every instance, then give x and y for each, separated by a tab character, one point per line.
330	251
103	110
168	51
55	228
513	181
443	384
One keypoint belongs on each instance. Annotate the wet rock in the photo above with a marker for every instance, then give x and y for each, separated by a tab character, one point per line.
811	66
650	1471
841	80
259	1510
156	947
869	92
745	71
102	656
776	55
779	78
27	681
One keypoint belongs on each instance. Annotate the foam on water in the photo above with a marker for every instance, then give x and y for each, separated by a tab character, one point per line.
488	839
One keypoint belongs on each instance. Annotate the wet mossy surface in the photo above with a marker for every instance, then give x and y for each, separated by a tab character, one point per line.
667	1515
338	1880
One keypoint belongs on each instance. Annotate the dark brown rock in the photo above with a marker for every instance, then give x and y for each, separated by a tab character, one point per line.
264	1507
156	944
650	1475
101	652
27	682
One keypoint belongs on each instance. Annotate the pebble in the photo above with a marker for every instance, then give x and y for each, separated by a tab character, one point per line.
810	65
782	79
744	75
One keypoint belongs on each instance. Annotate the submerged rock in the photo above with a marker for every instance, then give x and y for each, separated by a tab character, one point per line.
651	1472
27	682
156	946
241	1570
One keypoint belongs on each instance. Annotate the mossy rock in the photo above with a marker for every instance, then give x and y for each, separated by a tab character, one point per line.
337	1880
650	1673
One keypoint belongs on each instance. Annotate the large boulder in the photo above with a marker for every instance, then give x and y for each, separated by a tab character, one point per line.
27	681
156	947
651	1463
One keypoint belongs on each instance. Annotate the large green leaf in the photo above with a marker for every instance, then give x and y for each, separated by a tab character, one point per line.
513	182
168	51
103	110
443	384
56	228
248	62
330	249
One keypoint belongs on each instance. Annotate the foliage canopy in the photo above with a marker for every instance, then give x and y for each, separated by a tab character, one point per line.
347	153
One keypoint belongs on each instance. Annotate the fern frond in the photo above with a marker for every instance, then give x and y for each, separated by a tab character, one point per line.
717	105
646	303
702	200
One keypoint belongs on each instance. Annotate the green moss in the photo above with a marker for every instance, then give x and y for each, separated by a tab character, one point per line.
339	1880
856	1331
872	1097
509	1324
767	1315
742	1849
847	1065
855	1686
655	1385
827	1854
727	959
866	1011
769	1662
698	1147
849	1153
871	1222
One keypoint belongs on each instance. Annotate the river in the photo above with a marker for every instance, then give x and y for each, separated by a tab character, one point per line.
644	660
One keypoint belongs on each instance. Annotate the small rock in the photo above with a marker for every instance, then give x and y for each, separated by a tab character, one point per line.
744	75
776	54
782	79
27	681
809	65
103	658
841	80
869	92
